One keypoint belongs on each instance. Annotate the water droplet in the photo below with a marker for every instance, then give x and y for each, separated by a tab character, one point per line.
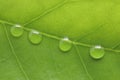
65	44
97	52
35	37
17	30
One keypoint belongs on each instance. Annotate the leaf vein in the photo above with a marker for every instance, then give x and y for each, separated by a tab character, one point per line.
14	53
46	12
84	66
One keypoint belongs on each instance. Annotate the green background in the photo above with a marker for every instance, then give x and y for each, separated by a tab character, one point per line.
86	21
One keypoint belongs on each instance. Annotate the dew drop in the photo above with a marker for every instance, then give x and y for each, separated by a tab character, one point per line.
35	37
17	30
65	44
97	52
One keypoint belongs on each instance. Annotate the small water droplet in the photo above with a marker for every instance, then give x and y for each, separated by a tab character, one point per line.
17	30
97	52
65	44
35	37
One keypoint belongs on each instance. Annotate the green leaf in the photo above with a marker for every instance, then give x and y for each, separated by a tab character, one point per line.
86	23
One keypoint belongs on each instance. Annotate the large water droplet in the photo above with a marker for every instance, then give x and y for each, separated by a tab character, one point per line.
97	52
17	30
35	37
65	44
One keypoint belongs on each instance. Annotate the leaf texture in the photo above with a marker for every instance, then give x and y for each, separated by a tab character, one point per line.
85	22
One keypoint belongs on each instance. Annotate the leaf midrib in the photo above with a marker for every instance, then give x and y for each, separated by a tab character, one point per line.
59	38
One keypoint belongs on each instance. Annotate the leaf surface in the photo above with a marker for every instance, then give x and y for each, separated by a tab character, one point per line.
85	22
